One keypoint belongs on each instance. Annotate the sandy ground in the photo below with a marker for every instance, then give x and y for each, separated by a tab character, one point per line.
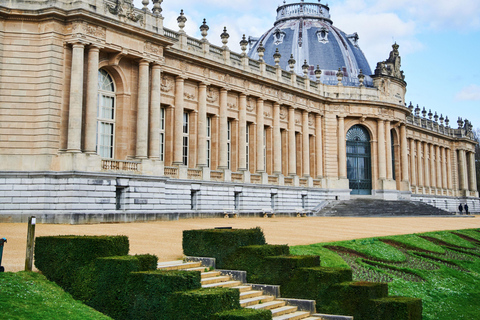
164	238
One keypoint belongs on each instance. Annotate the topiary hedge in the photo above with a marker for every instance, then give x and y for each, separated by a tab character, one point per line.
315	283
149	292
219	243
395	308
202	304
61	257
244	314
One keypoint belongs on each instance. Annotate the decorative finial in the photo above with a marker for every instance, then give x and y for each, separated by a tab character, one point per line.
204	30
361	78
435	116
441	119
447	121
261	51
244	44
276	57
318	73
430	114
410	107
291	63
181	20
340	76
305	68
224	37
157	9
145	5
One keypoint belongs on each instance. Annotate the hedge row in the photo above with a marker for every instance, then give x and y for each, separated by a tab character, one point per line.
219	243
244	314
61	257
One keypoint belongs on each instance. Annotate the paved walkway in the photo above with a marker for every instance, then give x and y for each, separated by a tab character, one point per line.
164	238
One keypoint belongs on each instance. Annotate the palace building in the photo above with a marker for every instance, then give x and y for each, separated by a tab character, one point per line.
108	116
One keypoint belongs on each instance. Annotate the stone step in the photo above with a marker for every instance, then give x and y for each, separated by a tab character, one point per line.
201	269
293	316
250	294
268	305
255	300
227	284
210	274
284	310
215	279
177	265
243	288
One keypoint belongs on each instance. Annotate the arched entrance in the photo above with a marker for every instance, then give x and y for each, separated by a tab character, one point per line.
359	168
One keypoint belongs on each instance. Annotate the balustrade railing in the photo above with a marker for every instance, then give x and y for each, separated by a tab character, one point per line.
288	181
256	178
216	175
171	172
272	179
194	174
237	177
120	165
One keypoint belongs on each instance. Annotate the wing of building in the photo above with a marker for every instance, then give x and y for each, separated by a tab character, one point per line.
108	116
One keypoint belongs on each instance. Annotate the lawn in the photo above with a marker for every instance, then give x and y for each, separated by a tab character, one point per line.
28	295
441	268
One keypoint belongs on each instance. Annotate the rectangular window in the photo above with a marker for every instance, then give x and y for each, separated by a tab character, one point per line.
273	198
193	199
185	138
162	134
105	126
236	200
247	147
229	142
304	201
209	140
265	150
119	198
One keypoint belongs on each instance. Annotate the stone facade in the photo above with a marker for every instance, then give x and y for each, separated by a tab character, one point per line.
108	116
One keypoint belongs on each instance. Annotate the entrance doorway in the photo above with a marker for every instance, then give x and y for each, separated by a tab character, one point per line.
359	161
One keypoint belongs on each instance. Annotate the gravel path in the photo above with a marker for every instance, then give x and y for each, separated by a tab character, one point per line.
164	238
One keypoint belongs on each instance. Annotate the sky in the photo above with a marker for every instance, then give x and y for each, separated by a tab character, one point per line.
439	40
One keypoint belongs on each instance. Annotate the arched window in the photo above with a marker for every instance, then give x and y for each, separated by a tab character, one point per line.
359	160
105	115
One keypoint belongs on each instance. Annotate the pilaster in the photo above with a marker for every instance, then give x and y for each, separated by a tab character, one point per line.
142	110
76	99
92	100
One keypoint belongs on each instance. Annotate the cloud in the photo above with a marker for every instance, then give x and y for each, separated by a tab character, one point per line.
470	93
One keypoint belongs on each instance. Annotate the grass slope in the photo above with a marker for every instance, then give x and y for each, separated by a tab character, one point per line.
441	268
28	295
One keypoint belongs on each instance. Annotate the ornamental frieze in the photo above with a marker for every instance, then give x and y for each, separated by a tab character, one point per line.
232	106
251	105
125	10
283	113
212	95
84	29
152	48
189	96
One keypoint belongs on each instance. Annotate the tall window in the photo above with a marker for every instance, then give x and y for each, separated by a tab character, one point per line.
162	134
229	143
185	138
247	146
105	115
209	140
265	150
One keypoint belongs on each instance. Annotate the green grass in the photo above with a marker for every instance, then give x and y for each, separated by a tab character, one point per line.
28	295
447	280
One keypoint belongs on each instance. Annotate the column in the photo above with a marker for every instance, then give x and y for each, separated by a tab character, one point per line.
439	166
342	149
142	110
449	169
419	164
92	101
76	96
202	125
426	164
277	140
462	172
242	131
222	152
292	149
388	150
178	123
306	145
382	172
155	106
318	145
404	152
433	180
413	170
260	137
472	173
444	169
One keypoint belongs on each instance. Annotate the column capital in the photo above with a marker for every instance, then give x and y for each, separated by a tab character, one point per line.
77	43
180	78
156	65
144	62
223	89
203	84
95	47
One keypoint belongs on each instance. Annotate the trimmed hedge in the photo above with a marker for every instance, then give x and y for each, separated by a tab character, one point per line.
395	308
202	304
219	243
149	292
244	314
280	270
351	298
59	258
111	296
314	283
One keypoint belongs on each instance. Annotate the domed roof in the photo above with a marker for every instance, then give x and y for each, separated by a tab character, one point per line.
305	31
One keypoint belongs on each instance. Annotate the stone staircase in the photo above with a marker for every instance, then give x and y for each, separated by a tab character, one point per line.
252	296
379	208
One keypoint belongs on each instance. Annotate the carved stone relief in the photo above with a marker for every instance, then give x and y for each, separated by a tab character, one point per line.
167	83
283	113
311	120
212	95
251	105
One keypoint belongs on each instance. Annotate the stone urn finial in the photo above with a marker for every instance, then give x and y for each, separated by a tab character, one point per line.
157	9
340	75
145	5
361	79
447	121
181	20
204	30
291	63
305	68
460	123
261	51
244	44
318	73
424	112
435	117
224	37
276	57
441	119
